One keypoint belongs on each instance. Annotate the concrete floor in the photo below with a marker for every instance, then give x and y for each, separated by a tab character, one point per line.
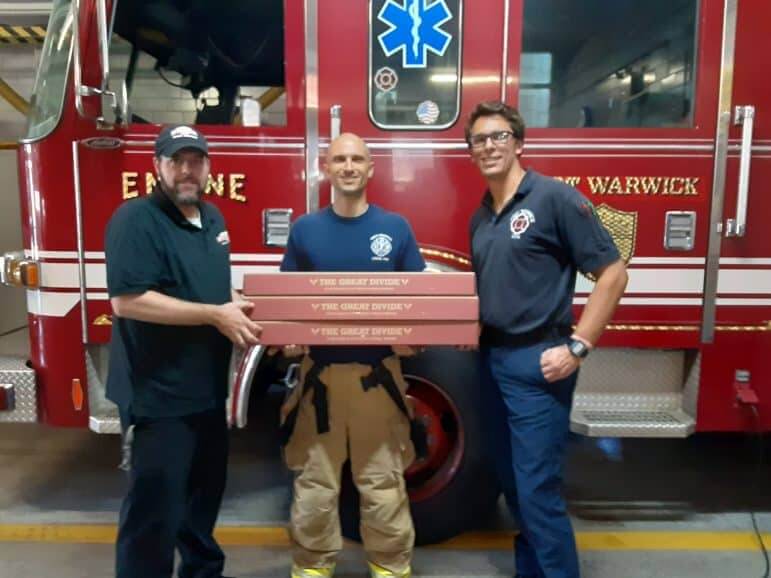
641	508
95	561
662	488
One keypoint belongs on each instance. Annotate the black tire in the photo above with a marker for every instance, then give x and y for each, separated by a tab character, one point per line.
461	491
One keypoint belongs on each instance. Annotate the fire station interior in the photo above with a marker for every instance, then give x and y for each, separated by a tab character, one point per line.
223	56
595	72
692	507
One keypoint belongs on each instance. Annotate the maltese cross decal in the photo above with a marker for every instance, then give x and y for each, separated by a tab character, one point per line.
415	29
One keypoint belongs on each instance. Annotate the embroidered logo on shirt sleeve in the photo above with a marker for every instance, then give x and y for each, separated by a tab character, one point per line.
586	208
223	238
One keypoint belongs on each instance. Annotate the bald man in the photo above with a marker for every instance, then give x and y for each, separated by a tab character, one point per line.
351	401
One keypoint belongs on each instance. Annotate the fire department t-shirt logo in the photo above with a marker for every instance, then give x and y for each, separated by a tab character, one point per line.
381	246
520	222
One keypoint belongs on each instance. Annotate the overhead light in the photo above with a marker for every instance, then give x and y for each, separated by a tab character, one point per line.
444	78
481	79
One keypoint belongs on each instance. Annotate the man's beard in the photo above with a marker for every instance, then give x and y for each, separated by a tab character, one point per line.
184	199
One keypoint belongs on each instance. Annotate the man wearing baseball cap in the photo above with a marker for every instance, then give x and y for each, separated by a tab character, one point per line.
175	321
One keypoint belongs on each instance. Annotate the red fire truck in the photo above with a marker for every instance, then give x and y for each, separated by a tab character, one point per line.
650	107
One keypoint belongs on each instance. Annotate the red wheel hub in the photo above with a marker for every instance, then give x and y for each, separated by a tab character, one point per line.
444	429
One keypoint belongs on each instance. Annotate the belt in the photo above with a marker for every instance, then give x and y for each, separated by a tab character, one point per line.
494	337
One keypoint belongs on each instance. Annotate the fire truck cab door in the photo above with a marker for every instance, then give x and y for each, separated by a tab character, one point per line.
736	332
738	279
743	281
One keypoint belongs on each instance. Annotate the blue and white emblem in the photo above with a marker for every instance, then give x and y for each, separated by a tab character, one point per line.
415	28
427	112
381	246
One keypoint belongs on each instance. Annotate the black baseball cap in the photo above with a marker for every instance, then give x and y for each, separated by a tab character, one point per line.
177	137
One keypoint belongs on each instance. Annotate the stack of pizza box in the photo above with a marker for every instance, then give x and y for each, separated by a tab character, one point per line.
364	308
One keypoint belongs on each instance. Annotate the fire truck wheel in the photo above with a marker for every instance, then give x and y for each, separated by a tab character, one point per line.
454	487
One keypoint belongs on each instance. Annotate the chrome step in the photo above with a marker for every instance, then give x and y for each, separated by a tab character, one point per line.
104	424
104	413
621	415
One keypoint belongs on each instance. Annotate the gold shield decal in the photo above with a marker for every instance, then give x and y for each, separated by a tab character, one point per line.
103	319
622	226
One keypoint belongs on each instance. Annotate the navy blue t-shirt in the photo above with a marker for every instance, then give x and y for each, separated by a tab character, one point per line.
374	241
526	257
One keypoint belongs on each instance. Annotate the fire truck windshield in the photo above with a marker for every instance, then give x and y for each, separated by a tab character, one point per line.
200	62
608	64
48	93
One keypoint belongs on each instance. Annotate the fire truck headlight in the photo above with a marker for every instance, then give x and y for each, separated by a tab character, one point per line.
16	270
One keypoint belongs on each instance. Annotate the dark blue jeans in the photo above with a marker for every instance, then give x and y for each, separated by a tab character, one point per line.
527	422
176	482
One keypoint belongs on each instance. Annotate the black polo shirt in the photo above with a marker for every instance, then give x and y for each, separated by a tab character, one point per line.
526	257
167	370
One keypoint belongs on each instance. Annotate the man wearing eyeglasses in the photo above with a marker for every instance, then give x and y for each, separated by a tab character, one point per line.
168	277
529	238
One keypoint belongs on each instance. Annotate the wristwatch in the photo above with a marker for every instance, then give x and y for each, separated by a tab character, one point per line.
578	349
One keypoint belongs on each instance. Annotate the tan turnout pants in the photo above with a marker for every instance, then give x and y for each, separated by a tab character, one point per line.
368	427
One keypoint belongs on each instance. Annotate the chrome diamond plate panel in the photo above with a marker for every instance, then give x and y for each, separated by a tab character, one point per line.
691	388
619	370
608	415
627	402
14	370
636	393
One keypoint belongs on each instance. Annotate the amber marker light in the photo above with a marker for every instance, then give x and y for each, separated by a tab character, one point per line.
77	394
16	270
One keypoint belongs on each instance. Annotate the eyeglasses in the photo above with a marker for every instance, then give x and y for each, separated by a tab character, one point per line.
499	137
